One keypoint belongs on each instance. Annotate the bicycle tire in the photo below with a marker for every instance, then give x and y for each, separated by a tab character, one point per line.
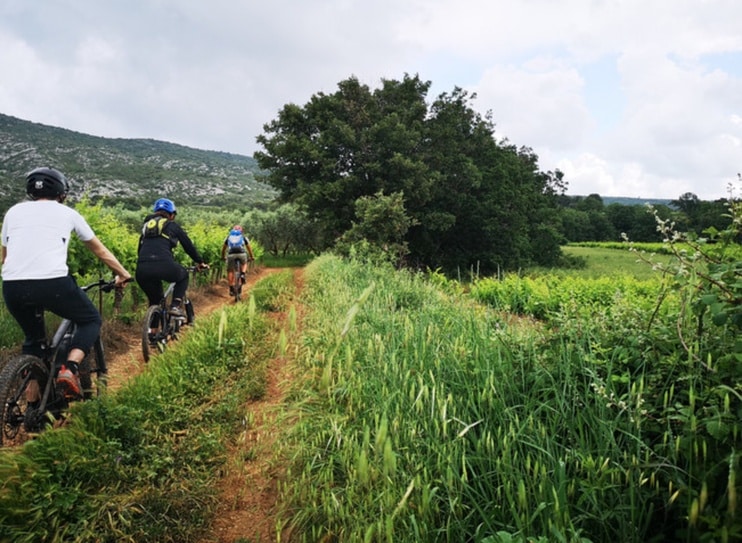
94	366
173	327
19	421
154	332
237	281
190	312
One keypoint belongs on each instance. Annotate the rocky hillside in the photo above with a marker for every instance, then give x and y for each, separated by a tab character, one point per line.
133	171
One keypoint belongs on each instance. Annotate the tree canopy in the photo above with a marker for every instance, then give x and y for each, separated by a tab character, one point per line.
470	200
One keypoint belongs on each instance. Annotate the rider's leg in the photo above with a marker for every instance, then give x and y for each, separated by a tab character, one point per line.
21	299
148	278
230	273
243	266
17	295
72	303
180	278
75	355
230	267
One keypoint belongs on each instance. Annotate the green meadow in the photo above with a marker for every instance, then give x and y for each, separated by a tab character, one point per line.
602	261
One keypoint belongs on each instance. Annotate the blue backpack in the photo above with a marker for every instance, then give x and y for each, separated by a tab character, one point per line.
235	242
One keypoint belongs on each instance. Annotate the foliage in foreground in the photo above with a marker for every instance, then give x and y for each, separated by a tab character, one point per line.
139	465
431	419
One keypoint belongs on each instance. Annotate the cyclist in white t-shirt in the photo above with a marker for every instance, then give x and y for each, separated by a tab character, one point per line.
35	239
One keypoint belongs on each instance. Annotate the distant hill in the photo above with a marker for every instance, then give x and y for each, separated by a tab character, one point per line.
608	200
134	171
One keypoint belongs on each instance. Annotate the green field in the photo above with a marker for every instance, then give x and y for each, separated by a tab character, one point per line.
600	262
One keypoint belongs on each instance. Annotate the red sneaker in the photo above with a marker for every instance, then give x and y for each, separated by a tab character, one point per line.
69	381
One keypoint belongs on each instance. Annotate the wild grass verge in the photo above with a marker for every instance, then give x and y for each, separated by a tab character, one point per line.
425	417
139	465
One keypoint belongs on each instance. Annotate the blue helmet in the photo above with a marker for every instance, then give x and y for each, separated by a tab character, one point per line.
163	204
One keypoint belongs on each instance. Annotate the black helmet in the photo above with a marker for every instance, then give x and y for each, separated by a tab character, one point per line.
46	183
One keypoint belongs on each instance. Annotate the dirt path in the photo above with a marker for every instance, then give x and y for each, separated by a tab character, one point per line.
248	488
123	343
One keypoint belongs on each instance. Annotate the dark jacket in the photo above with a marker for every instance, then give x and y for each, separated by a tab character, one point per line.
160	248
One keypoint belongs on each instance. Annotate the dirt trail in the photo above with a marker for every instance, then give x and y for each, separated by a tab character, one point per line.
249	485
123	343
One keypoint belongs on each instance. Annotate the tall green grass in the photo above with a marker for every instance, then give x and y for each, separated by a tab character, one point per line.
428	418
544	295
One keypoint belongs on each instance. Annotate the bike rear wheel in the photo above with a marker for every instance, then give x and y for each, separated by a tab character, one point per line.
93	371
237	281
22	382
154	332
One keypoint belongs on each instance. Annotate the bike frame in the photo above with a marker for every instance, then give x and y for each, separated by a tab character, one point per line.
19	379
169	327
66	328
237	280
51	354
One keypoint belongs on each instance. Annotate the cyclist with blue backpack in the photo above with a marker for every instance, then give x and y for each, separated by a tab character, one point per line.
156	262
236	247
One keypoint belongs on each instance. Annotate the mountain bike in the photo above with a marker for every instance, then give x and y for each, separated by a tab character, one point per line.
238	277
159	327
30	398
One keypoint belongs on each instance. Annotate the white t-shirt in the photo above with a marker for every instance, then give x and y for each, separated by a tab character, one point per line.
36	235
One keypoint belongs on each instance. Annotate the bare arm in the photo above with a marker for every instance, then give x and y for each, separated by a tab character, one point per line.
5	253
107	257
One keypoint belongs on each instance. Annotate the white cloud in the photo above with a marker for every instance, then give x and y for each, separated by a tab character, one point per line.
622	95
590	174
537	105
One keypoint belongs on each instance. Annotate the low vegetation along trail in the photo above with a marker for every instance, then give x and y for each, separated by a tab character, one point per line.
249	487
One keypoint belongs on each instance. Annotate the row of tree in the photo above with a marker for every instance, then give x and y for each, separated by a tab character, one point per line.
588	219
431	186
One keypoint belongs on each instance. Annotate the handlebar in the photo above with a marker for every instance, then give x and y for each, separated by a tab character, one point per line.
106	285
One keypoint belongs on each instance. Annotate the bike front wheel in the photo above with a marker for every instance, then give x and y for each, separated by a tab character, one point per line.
154	332
190	312
22	382
93	371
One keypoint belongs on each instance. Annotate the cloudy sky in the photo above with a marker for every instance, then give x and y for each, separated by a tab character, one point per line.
639	98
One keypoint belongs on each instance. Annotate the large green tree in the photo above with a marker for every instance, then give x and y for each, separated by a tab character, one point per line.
472	201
